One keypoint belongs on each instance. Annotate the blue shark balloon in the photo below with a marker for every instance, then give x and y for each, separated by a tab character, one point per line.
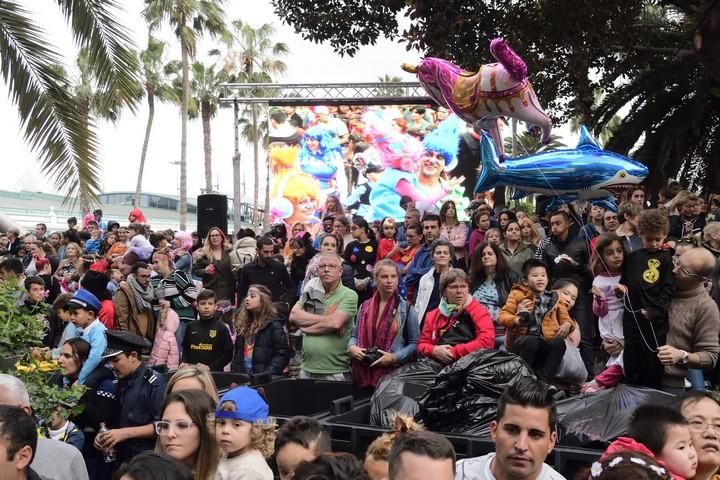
584	172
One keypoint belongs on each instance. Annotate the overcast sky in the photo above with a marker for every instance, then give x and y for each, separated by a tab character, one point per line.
121	143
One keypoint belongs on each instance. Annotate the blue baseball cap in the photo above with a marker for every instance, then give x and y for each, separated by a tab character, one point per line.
85	300
249	405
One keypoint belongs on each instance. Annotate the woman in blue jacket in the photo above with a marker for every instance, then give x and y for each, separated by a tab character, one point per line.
386	330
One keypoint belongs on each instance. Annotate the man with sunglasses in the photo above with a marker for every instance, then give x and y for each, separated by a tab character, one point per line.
141	392
692	339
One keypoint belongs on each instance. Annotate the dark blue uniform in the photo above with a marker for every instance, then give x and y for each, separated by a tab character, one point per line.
141	397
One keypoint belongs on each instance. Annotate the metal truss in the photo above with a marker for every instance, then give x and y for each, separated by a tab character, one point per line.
265	95
323	93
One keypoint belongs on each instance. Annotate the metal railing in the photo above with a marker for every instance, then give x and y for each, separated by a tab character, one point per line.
324	93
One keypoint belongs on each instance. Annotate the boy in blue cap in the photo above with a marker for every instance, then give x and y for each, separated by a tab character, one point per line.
245	433
84	308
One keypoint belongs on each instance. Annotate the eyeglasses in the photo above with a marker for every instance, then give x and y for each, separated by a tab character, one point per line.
162	427
677	264
701	426
215	235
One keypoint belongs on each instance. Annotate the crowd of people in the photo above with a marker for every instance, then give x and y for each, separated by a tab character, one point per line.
589	295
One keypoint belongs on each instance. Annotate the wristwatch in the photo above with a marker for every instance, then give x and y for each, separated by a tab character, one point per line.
685	359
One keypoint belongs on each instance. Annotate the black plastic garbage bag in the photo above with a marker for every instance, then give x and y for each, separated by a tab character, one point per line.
399	391
596	419
464	397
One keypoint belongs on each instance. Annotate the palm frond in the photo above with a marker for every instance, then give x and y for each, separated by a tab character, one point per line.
51	118
112	58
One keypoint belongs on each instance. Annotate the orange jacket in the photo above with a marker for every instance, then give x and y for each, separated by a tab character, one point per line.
556	316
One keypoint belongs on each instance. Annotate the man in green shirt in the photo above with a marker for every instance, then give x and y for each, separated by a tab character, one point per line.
326	336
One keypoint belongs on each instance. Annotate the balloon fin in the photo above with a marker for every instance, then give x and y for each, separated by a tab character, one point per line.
586	141
490	161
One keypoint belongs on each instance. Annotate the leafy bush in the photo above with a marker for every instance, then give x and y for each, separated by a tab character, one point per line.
20	332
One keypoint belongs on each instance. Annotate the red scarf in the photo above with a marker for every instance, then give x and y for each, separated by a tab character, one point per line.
370	334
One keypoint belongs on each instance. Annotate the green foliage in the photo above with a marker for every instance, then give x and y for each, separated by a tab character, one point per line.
46	398
389	91
19	331
52	119
529	143
526	207
562	41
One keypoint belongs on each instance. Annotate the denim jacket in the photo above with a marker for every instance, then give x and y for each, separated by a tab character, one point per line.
404	344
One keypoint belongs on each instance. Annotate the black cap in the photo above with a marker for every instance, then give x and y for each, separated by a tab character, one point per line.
123	341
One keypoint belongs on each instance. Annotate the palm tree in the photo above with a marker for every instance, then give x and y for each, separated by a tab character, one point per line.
93	102
674	115
528	144
190	18
156	86
389	91
607	130
252	58
52	117
205	94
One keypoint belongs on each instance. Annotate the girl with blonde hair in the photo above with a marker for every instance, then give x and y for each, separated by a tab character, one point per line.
191	377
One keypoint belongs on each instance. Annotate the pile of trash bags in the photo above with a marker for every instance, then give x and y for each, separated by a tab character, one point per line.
460	398
465	395
399	391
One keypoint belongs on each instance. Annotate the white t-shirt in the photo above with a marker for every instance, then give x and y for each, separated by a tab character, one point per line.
478	468
248	466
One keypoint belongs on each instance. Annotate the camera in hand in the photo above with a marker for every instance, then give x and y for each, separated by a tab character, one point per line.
372	354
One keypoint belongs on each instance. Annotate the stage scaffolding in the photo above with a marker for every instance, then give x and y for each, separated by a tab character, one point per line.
266	95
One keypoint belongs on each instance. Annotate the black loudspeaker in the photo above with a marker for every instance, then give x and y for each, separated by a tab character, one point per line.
211	212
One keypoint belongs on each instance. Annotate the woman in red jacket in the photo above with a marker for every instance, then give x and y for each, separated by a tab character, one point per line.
459	326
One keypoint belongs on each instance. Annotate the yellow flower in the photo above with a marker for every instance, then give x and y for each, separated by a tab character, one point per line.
47	366
25	368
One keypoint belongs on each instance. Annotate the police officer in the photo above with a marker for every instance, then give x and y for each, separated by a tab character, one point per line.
141	392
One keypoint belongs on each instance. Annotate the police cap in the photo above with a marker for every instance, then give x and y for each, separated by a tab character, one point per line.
123	341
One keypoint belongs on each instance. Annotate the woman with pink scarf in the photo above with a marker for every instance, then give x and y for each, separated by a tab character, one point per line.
386	330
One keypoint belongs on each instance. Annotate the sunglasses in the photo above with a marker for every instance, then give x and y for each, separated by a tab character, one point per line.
162	427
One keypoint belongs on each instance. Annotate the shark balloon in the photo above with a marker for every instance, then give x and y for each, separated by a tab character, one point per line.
584	172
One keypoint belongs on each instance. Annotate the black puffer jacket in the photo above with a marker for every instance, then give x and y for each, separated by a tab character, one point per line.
270	353
576	249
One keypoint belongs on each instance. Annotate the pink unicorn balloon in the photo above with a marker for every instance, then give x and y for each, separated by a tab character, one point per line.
497	90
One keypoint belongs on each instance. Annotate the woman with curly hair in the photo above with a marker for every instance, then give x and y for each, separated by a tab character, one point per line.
261	343
245	433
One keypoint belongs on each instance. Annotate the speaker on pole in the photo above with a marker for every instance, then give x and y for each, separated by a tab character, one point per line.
211	212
